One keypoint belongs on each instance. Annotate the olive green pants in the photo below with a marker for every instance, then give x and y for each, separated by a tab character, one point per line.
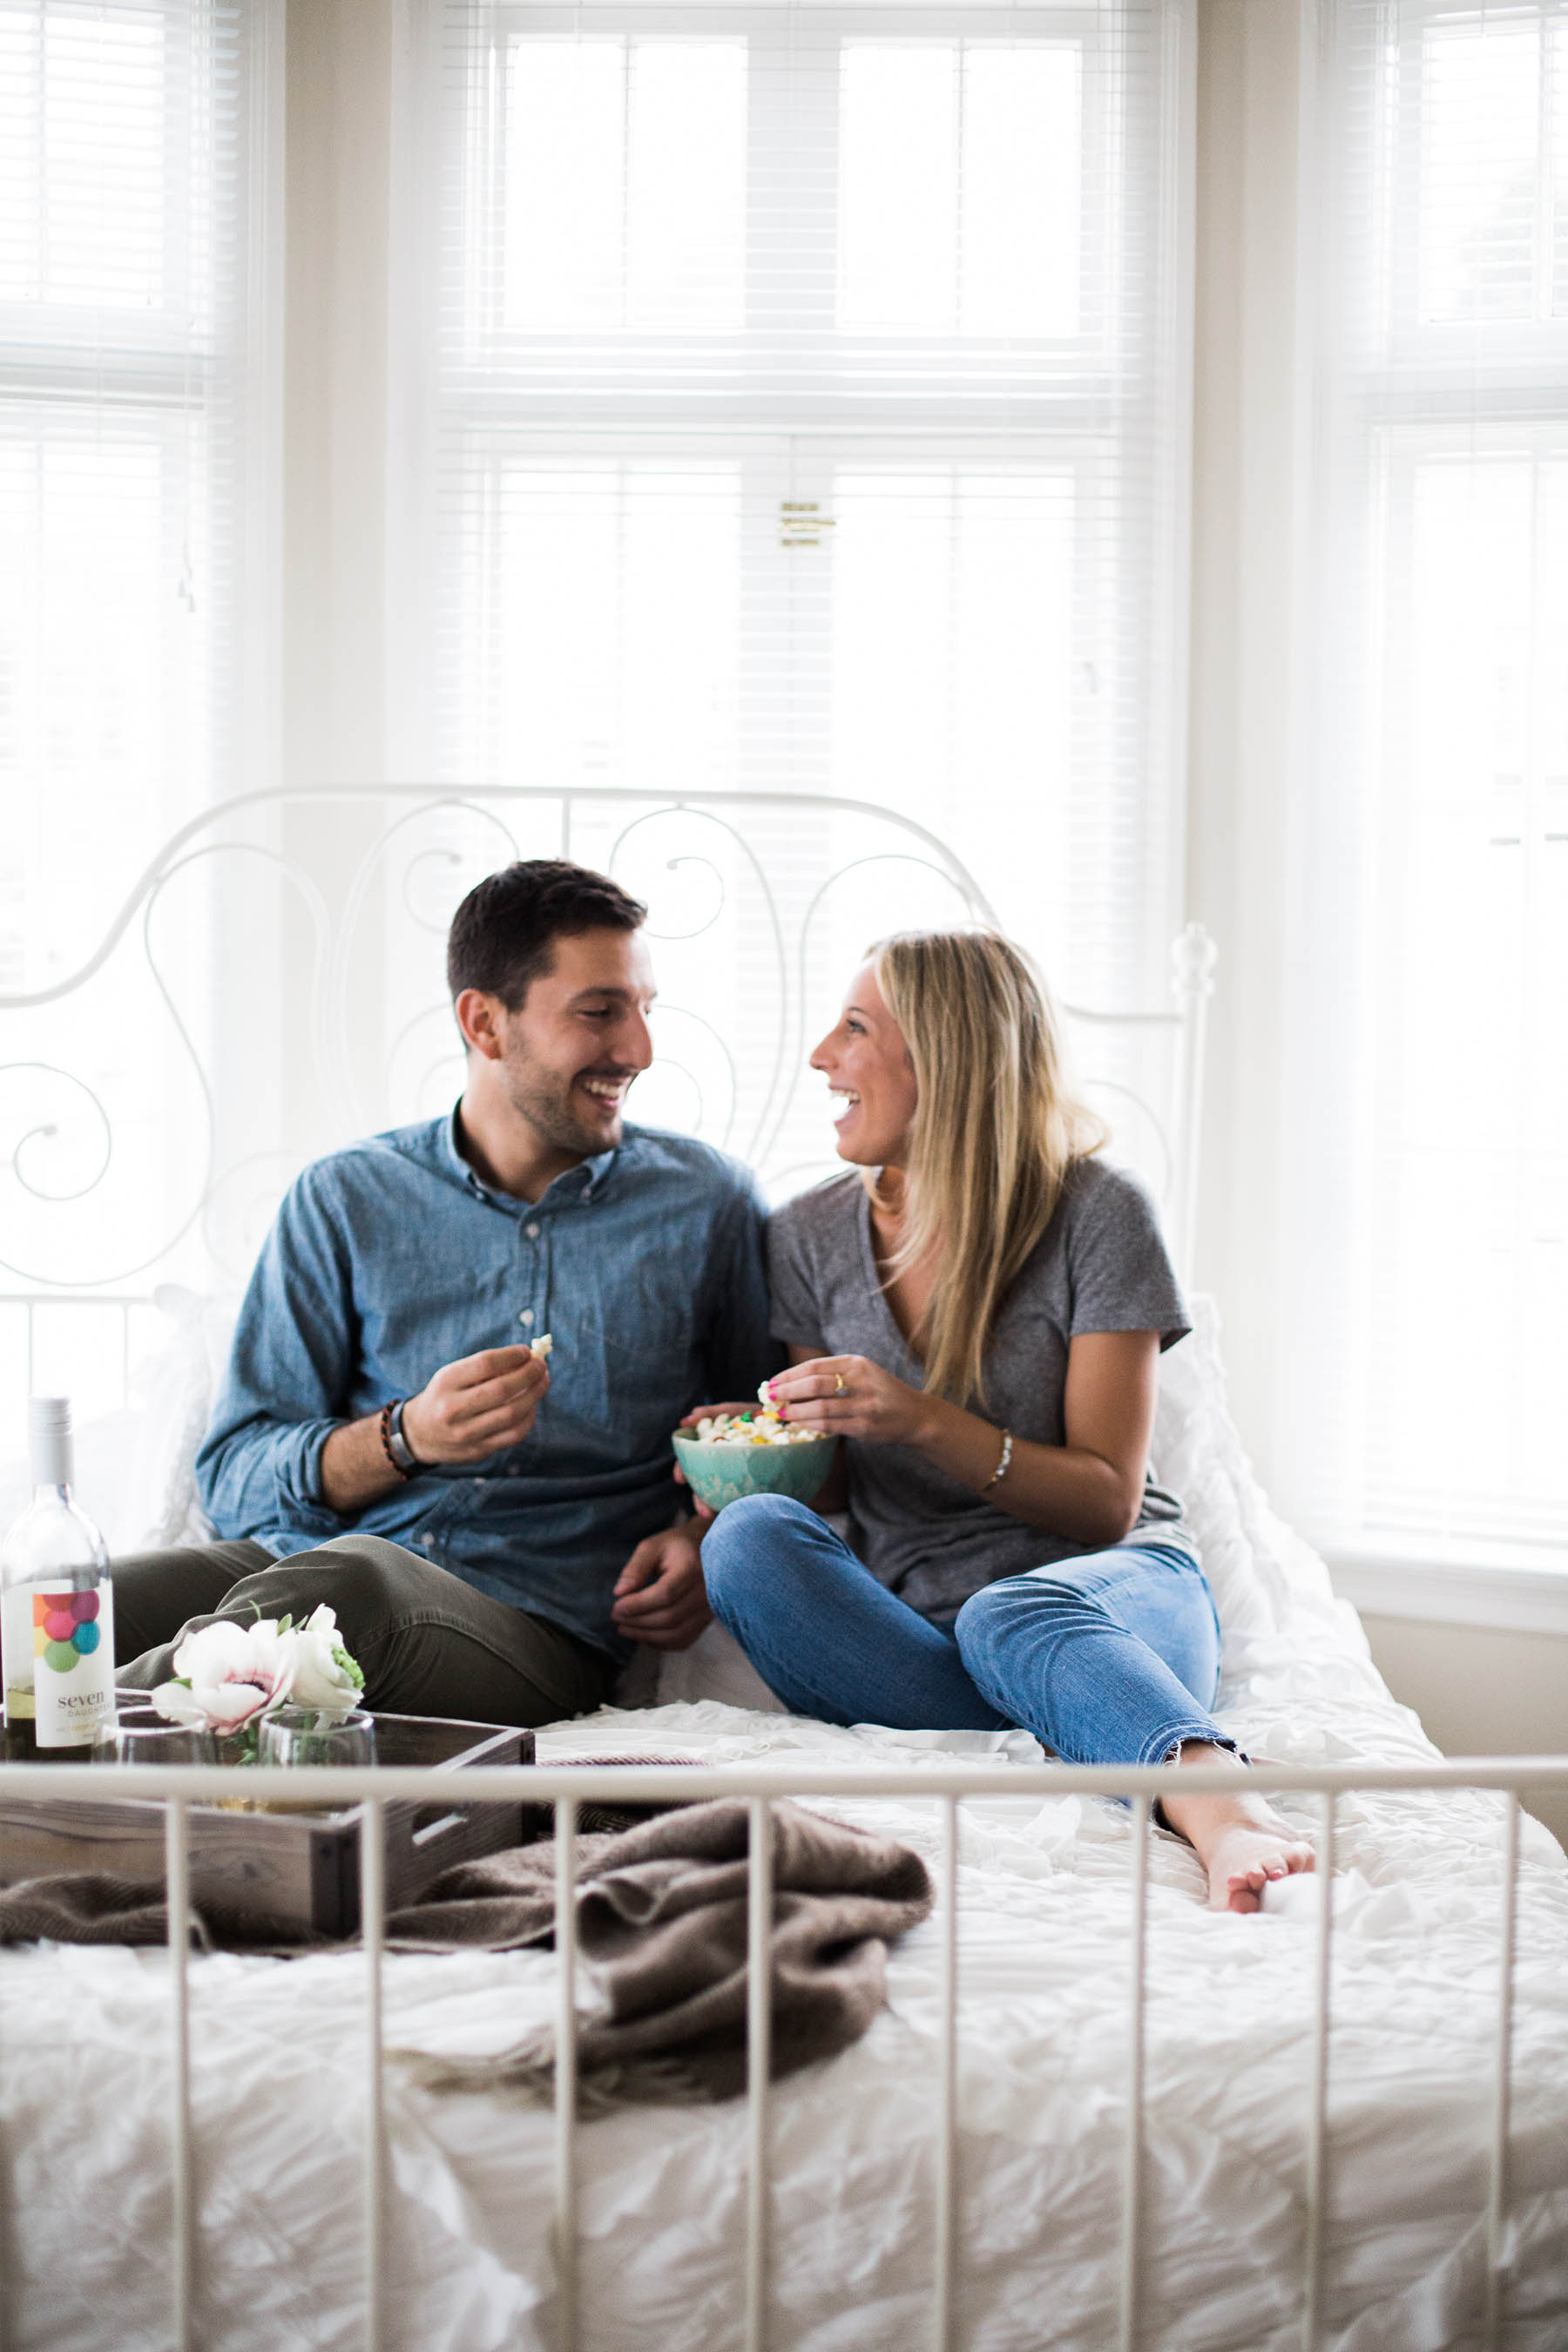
427	1643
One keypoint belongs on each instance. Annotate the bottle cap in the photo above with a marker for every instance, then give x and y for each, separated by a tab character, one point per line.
50	1430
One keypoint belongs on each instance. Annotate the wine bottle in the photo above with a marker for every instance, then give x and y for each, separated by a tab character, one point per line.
57	1608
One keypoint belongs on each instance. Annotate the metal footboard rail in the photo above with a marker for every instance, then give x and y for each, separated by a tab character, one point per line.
568	1787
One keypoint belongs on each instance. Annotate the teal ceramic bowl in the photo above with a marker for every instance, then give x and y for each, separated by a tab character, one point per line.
722	1474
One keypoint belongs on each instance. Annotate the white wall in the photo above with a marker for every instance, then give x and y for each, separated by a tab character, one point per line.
1247	505
338	141
1481	1692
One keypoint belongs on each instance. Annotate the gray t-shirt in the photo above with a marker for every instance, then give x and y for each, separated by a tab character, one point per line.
1100	1265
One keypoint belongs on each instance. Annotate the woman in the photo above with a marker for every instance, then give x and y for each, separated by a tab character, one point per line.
980	1314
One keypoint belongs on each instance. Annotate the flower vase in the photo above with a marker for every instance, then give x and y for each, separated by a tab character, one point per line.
238	1748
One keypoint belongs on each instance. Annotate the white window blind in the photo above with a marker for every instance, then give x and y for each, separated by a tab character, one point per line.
809	400
136	140
1434	1068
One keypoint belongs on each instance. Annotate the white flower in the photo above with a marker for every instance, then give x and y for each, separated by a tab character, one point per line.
325	1676
228	1674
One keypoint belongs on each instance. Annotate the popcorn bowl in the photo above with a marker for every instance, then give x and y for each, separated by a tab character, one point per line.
719	1474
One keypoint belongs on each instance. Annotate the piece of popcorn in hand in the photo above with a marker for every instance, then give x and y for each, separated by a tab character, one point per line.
542	1347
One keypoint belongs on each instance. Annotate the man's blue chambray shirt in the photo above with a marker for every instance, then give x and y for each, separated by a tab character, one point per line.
390	1259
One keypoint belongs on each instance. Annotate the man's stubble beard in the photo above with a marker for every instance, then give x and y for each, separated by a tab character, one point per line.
543	1099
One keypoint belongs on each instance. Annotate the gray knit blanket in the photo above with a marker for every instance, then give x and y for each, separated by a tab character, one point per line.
661	1929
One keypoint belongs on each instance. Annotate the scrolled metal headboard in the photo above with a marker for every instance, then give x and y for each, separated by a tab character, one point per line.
271	985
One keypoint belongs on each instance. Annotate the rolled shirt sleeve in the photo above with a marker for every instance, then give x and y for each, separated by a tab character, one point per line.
289	1372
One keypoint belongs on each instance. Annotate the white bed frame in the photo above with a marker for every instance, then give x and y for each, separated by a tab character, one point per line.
382	818
569	1787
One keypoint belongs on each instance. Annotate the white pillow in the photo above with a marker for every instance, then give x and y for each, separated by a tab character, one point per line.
104	1458
135	1470
1259	1571
178	1386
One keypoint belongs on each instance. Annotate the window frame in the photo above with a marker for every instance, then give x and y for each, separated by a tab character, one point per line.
1391	392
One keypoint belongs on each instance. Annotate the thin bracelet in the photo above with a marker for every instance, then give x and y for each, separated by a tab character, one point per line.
1001	1469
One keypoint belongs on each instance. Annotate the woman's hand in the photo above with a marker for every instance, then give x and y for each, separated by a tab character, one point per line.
849	1396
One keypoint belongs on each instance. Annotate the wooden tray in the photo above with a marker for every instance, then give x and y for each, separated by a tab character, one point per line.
302	1869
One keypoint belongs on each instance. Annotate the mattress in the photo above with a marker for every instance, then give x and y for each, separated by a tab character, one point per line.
1043	1897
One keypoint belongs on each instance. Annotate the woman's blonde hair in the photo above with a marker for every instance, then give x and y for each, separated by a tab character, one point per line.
996	1131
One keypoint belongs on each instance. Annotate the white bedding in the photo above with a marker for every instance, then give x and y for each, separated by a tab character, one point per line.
1044	1897
1044	1905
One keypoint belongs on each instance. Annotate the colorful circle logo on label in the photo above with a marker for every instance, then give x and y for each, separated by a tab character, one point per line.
65	1628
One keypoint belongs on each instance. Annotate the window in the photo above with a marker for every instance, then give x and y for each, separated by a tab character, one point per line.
808	386
135	519
1436	1080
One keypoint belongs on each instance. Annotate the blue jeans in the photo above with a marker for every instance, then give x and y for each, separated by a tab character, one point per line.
1112	1658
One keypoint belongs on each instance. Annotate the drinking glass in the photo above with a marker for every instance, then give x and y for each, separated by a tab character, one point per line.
308	1735
142	1736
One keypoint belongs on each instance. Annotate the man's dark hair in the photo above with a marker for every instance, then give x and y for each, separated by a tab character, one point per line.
504	933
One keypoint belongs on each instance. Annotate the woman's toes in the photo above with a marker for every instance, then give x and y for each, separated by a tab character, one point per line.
1249	1856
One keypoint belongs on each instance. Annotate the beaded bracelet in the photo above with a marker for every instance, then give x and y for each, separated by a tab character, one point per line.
1001	1469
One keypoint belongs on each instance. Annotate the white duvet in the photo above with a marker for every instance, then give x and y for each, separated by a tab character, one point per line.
1044	1906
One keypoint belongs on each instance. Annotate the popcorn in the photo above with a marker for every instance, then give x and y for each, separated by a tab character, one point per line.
762	1428
541	1346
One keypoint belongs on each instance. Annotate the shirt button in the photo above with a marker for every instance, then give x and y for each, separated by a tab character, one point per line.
532	1232
526	1314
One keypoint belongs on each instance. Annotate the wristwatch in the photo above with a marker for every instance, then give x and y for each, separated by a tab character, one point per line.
402	1453
396	1447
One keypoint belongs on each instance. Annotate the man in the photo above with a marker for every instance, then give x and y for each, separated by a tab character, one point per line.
494	1531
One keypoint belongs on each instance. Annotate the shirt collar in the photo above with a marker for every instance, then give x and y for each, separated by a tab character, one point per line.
598	1169
588	1176
453	1158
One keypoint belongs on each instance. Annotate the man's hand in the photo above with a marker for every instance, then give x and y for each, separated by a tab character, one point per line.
660	1599
470	1409
476	1407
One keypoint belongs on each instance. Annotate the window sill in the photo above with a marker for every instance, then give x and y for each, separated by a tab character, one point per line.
1506	1587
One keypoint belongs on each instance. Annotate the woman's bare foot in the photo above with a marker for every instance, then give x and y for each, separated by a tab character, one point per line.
1241	1840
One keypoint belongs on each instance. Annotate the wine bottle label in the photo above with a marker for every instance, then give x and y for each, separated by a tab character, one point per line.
69	1638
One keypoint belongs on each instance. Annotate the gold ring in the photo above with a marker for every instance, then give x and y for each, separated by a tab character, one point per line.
837	1383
